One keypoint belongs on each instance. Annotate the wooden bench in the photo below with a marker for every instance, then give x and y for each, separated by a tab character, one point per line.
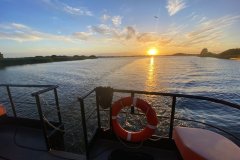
201	144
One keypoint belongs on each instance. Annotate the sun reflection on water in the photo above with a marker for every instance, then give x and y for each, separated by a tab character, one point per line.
150	82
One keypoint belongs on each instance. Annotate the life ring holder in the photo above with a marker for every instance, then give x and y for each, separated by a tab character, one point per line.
146	108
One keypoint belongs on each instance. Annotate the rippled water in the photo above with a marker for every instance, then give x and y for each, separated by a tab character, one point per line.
191	75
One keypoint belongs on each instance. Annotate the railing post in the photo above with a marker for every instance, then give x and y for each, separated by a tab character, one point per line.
98	112
132	107
57	105
11	101
44	128
84	127
172	117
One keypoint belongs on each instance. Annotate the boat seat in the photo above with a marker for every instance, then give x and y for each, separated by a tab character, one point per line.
201	144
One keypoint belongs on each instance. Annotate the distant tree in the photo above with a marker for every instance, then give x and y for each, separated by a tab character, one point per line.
230	53
1	56
204	51
92	56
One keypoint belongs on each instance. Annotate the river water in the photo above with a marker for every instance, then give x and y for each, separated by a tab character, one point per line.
217	78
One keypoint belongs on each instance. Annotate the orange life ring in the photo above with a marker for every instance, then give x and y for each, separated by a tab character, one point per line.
139	136
2	110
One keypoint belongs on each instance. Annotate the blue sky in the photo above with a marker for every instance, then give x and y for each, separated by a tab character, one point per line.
123	27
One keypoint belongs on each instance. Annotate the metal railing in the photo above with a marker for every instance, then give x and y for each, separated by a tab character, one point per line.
172	117
36	95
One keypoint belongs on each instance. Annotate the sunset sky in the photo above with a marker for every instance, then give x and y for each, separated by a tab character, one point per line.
117	27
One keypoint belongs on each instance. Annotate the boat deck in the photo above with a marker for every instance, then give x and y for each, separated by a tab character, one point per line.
18	142
124	152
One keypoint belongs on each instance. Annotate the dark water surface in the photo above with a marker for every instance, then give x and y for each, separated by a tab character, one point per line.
211	77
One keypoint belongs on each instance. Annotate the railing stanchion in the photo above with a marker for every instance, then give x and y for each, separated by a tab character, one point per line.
98	112
84	126
172	117
132	107
11	101
44	128
57	105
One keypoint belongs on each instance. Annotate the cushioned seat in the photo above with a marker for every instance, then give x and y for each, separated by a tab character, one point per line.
201	144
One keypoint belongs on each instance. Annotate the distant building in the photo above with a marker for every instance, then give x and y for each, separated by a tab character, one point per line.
1	55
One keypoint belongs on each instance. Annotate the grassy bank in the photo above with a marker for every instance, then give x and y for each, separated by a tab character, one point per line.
40	59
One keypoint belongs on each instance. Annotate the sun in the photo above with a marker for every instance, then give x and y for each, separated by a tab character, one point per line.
152	51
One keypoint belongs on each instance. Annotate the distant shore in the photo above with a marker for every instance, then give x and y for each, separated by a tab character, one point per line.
41	59
233	54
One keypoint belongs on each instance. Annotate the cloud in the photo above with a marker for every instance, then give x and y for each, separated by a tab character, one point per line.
213	25
130	32
116	20
20	32
174	6
164	41
20	26
101	29
203	19
204	33
82	35
147	37
80	11
209	30
105	17
126	33
76	11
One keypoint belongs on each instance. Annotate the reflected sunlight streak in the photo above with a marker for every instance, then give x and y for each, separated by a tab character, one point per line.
150	82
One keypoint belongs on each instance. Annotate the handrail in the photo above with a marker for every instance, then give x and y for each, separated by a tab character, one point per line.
237	106
49	87
172	117
23	85
44	90
38	103
85	95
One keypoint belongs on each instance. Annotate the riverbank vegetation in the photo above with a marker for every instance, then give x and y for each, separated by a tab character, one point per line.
41	59
228	54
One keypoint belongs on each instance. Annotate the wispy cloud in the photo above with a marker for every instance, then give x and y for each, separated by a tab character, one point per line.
116	20
213	25
147	37
105	17
130	32
101	29
21	33
79	11
209	30
82	35
200	34
125	33
76	11
19	26
174	6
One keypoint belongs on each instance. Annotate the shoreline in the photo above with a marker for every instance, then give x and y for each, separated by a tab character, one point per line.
7	62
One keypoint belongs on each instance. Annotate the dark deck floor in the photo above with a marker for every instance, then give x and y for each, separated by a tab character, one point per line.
103	148
22	143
